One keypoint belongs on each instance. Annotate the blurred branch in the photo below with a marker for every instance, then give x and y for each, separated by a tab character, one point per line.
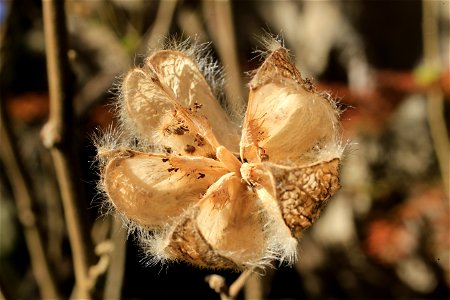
95	45
103	250
239	283
220	25
1	294
57	135
191	23
92	93
23	195
161	26
217	283
114	277
24	201
435	95
256	287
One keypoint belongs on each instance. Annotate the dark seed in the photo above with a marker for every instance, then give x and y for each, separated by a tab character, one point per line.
189	149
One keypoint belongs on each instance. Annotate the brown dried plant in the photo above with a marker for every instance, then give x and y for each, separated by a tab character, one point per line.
181	179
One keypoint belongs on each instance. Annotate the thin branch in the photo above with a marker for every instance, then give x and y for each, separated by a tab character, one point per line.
24	200
161	26
103	251
435	94
220	24
191	24
114	277
239	283
253	289
217	283
57	135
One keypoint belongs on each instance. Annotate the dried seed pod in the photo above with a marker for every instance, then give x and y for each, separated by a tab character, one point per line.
204	205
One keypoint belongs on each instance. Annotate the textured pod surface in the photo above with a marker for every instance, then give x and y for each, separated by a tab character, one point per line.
303	191
188	244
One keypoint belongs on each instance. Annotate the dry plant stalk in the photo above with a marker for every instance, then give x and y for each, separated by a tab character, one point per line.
56	135
25	201
198	189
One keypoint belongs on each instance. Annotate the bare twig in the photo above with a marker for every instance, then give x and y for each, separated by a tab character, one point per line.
253	288
217	283
191	24
23	195
92	92
239	283
220	25
103	251
96	45
435	95
57	136
24	201
161	25
114	277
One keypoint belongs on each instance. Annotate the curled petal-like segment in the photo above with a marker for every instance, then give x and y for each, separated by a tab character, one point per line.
230	222
152	111
301	192
226	227
285	119
181	75
150	189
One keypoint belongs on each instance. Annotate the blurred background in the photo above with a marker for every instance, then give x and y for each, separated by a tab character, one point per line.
385	235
